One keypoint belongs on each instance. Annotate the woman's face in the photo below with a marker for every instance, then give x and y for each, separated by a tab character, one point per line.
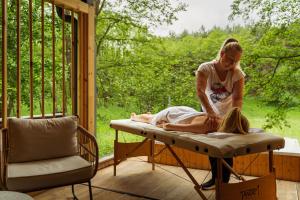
230	59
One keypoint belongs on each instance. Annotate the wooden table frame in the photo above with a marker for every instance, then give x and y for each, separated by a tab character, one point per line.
146	148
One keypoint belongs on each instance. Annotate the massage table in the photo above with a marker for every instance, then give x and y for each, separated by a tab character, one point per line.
217	144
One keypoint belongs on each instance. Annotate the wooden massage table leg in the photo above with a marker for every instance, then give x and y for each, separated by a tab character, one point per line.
271	167
240	177
115	152
221	162
151	156
152	146
197	186
144	148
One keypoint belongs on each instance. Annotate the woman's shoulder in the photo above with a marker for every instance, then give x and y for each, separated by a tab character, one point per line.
206	66
238	73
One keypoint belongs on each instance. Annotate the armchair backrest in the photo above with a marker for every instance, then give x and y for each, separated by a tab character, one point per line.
39	139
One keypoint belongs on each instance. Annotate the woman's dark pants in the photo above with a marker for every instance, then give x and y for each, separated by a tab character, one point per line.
225	171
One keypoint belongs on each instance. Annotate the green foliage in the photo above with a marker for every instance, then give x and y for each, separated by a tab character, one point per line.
267	12
272	120
274	59
37	60
105	134
158	73
252	109
143	12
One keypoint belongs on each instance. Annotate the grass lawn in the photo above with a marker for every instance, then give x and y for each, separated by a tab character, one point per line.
256	115
254	112
105	134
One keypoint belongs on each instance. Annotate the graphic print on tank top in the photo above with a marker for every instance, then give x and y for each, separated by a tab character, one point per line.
219	92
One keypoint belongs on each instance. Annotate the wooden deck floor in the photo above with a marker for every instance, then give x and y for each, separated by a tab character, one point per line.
135	181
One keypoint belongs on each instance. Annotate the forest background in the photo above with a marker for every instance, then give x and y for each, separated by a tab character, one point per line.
137	71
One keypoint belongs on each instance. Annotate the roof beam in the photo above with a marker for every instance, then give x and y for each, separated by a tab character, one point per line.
75	5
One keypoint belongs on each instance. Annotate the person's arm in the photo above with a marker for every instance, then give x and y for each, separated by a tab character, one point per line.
237	93
198	128
212	117
201	87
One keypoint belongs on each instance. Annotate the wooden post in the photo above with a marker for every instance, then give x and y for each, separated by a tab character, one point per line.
72	66
80	63
63	64
31	58
4	63
86	68
53	61
18	61
43	59
91	71
83	70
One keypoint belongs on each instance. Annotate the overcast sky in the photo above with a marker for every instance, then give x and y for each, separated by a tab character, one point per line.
199	12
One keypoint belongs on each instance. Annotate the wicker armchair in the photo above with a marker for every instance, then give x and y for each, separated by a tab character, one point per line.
45	153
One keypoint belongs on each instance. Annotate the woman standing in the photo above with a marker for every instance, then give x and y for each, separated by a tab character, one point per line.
220	86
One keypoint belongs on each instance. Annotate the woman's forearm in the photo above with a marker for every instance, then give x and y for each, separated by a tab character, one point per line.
201	87
205	103
237	103
194	128
237	95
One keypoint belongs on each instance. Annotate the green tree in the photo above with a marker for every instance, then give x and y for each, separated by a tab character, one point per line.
274	61
25	60
122	27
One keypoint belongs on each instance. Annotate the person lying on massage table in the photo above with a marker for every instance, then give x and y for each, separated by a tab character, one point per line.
187	119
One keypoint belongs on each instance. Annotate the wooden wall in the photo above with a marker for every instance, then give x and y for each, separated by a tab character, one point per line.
86	89
287	167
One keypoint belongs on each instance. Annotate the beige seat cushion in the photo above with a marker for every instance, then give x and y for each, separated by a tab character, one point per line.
39	139
35	175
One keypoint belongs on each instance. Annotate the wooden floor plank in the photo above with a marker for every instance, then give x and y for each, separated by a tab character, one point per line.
298	191
287	190
135	176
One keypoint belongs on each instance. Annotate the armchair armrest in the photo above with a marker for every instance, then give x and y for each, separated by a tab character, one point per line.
88	147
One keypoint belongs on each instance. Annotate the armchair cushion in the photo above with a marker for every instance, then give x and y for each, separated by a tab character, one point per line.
48	173
38	139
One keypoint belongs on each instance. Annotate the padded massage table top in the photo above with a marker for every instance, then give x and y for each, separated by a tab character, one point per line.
216	144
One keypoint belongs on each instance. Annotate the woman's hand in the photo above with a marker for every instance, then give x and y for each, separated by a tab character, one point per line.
160	124
212	120
166	126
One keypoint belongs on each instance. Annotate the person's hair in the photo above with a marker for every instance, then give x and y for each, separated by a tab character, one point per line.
230	44
234	122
